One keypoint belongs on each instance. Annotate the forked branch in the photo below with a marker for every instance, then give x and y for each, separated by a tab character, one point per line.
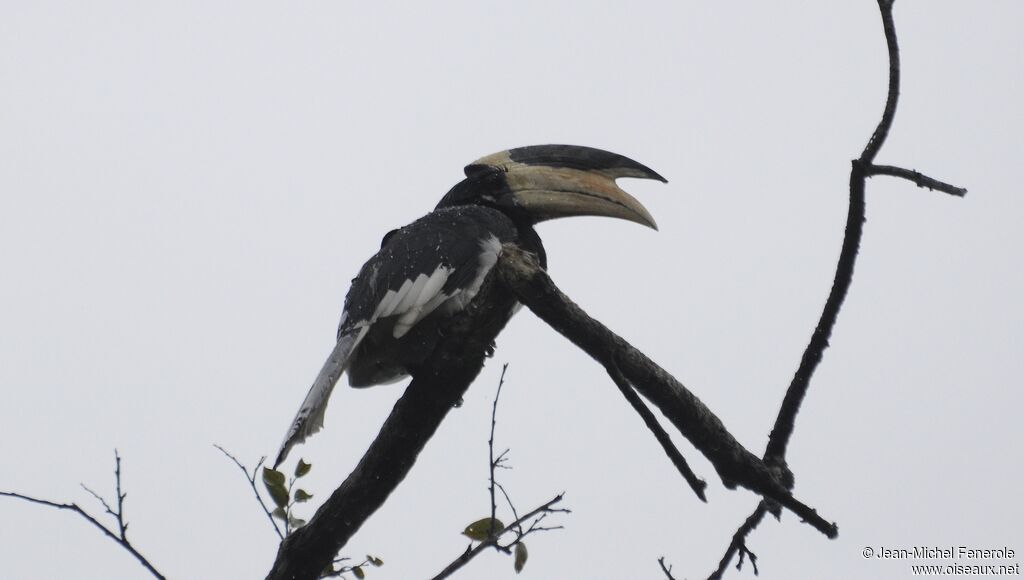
119	534
734	463
490	531
862	168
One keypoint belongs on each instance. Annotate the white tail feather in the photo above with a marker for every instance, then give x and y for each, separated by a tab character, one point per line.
310	417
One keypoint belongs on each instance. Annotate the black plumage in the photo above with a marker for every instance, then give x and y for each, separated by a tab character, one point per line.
458	239
404	297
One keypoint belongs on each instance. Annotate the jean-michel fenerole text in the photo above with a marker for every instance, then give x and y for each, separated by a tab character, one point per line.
945	553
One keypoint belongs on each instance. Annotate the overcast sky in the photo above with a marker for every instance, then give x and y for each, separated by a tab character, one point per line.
187	188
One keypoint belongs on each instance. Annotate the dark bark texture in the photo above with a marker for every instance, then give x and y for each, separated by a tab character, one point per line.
436	387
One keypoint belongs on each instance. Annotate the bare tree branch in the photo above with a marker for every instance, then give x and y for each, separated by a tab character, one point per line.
696	484
252	483
881	132
666	569
738	544
862	168
119	535
733	462
918	178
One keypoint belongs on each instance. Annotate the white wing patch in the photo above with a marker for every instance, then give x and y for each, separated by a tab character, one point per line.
415	299
423	297
490	251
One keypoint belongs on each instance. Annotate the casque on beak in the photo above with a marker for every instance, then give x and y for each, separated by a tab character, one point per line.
553	181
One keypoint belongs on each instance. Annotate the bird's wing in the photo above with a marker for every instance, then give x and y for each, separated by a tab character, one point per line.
409	303
439	261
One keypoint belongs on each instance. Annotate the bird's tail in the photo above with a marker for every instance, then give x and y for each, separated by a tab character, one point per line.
310	417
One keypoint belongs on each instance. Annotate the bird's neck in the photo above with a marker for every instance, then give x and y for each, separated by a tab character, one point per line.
530	241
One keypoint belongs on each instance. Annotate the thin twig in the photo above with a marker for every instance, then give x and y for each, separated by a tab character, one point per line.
696	483
511	506
117	514
369	561
78	510
121	523
252	483
120	536
918	178
490	448
752	557
472	551
881	132
738	544
493	535
99	498
666	569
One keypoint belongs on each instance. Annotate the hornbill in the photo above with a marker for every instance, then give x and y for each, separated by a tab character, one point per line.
406	296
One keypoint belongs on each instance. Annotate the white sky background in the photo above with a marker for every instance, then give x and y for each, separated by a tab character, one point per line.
186	190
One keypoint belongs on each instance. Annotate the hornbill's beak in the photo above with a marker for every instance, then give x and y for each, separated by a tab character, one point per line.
552	181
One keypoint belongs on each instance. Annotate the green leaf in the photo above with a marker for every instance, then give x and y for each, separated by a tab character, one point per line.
280	514
302	495
302	468
482	529
359	572
273	480
272	477
375	560
279	494
520	555
296	522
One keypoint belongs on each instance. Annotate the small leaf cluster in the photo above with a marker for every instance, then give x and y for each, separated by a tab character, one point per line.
489	530
285	494
359	570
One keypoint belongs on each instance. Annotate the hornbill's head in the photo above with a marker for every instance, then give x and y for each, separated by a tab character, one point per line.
544	182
